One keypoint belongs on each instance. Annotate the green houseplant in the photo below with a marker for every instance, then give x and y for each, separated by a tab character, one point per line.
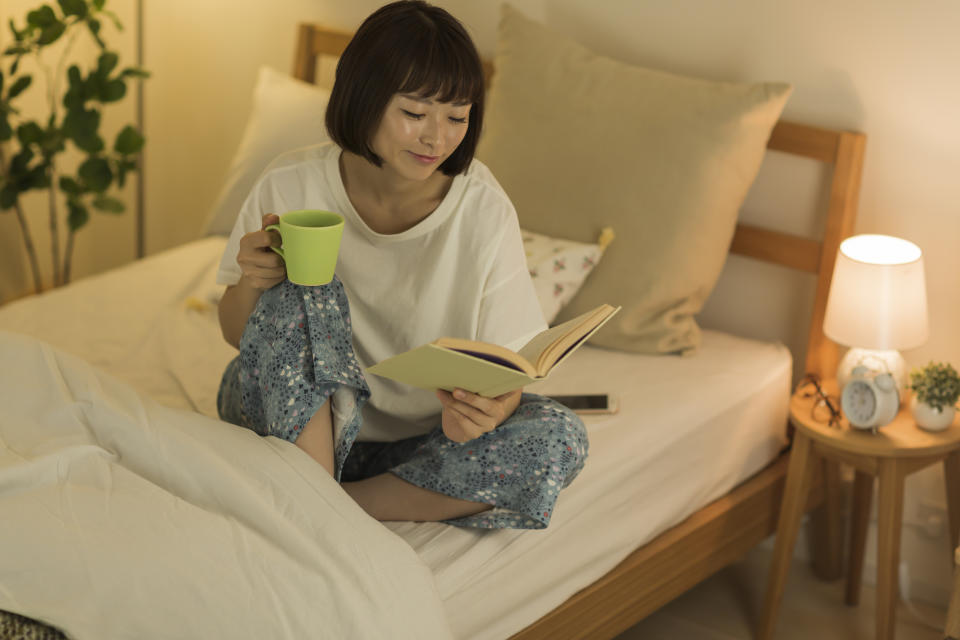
936	389
31	148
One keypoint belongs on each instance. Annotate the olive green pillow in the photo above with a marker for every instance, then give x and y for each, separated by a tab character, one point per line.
581	142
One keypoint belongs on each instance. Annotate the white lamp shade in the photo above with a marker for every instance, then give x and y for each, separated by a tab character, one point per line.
878	296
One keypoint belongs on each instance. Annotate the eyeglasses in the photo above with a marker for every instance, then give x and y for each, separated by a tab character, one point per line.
826	407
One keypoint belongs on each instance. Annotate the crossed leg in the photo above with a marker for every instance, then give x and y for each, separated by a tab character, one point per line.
385	497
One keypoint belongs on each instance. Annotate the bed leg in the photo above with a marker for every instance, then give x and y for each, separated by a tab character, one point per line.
826	526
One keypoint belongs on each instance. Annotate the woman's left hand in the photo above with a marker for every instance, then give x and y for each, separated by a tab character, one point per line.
467	416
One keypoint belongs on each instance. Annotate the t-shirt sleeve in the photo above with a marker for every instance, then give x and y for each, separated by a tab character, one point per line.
510	314
249	219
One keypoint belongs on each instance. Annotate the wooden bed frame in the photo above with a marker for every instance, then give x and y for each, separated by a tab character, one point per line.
723	531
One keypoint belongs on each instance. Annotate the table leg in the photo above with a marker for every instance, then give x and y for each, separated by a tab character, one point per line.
827	526
952	629
951	472
859	523
889	522
799	473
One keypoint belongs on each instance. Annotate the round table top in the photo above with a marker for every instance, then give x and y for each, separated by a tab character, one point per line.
900	438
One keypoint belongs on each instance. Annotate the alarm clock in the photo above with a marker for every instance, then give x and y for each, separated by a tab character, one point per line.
870	399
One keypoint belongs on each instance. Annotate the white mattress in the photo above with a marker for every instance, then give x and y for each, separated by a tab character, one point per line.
689	429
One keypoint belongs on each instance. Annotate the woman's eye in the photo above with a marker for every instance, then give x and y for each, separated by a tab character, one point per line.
459	120
411	114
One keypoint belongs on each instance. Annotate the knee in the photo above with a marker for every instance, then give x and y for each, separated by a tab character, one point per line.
562	433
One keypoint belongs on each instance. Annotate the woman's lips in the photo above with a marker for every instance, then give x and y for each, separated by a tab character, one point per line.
424	159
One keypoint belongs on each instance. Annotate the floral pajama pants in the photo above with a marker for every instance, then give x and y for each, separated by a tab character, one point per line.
296	353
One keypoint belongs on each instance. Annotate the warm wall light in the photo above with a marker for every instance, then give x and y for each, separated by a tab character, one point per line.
877	304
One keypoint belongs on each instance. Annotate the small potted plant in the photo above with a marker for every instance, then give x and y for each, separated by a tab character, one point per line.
936	389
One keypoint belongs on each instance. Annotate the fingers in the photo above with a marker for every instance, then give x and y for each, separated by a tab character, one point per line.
261	267
460	400
268	219
460	428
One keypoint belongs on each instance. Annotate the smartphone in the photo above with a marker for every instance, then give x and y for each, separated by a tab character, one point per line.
591	403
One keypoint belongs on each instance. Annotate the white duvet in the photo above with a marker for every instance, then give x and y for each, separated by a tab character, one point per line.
121	518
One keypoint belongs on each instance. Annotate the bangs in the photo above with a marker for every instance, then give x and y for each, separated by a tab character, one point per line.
443	70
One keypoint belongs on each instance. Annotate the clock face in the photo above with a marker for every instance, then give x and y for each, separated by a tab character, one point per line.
859	402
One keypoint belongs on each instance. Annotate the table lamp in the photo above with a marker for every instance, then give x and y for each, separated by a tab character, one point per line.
877	304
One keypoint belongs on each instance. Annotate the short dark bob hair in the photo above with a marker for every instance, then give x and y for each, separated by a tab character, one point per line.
405	47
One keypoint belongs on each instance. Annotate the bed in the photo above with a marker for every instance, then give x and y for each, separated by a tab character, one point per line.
654	512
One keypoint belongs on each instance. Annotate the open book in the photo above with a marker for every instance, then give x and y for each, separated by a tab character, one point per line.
489	369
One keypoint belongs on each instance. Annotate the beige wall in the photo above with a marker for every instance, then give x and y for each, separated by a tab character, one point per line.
884	67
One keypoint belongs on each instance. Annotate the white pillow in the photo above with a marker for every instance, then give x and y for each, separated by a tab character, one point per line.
558	267
287	114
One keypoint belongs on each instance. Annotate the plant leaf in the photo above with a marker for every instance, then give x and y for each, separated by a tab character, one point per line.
70	186
81	121
96	173
94	25
6	131
8	196
53	140
19	163
51	33
77	216
42	17
129	141
29	133
19	86
73	8
81	126
108	204
74	98
106	63
116	20
17	35
135	72
112	90
90	142
36	178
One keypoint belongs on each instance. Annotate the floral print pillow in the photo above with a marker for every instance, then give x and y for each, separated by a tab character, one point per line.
559	267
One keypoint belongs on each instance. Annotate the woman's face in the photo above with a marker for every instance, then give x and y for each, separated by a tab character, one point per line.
417	134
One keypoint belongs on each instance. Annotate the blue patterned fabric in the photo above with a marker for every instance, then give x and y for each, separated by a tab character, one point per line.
296	352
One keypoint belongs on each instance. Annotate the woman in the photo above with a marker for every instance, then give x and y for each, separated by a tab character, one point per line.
431	247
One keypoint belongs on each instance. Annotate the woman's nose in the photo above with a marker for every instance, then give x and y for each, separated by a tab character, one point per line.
430	134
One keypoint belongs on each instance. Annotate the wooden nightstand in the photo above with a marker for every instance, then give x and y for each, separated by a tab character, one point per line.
952	630
897	450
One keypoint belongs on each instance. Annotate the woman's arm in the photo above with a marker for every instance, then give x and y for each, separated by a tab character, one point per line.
262	269
236	305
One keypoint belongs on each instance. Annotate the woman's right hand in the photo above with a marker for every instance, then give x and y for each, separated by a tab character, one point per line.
262	268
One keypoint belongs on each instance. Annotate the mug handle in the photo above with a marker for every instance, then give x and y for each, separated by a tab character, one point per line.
276	227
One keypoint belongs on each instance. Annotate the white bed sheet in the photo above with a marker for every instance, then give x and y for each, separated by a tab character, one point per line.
689	430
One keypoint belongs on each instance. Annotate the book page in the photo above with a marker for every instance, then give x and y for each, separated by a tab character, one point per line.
561	336
492	352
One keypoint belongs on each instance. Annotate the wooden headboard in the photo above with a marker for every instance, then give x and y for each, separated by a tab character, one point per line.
842	149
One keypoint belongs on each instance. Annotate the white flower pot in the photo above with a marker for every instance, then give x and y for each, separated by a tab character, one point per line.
929	418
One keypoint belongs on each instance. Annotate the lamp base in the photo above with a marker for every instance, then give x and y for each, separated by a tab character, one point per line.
889	361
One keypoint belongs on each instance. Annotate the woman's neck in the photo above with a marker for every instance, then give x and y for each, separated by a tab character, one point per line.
387	202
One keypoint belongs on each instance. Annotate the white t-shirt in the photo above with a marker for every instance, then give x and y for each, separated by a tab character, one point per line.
460	272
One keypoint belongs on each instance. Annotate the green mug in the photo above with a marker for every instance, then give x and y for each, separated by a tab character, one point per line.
311	242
